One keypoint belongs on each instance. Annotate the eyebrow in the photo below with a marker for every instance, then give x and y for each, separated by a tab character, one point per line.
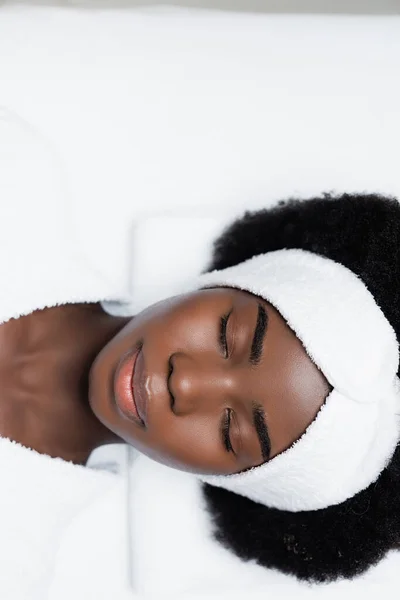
259	335
261	427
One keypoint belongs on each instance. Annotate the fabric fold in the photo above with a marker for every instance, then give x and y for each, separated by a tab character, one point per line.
40	497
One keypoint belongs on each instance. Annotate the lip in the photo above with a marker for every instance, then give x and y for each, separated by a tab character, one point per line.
139	388
123	387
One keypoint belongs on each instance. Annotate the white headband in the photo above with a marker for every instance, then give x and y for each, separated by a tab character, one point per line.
348	337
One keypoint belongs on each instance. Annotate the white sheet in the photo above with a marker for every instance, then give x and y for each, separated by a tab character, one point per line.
207	114
172	541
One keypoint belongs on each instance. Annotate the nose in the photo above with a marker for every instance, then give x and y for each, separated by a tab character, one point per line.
200	385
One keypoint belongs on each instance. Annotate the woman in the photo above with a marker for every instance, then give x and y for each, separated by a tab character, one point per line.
222	385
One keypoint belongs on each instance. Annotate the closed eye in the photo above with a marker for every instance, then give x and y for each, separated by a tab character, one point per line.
225	430
223	343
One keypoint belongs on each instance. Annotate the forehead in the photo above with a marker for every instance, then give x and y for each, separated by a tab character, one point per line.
224	293
295	388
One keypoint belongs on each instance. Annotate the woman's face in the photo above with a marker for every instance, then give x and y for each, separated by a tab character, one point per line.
220	382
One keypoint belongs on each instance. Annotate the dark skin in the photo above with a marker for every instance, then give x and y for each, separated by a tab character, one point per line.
184	333
45	359
54	360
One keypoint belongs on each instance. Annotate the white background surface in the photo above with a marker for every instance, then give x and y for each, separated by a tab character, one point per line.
267	6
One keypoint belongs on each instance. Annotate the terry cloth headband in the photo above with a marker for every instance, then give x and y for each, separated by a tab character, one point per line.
350	340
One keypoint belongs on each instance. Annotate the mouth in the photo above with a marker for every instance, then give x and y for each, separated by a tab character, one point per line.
125	398
140	392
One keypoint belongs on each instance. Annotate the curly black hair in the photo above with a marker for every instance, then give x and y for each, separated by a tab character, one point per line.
361	232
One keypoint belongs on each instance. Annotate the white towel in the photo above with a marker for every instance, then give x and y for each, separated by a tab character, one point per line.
39	498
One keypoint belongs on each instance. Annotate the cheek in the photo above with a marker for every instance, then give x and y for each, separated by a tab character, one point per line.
188	443
178	332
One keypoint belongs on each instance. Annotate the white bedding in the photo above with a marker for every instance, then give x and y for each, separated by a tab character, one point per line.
200	115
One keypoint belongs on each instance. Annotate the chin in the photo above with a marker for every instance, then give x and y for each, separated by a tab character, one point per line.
100	394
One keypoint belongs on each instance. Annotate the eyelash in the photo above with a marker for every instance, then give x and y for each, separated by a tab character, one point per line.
170	369
225	431
222	334
227	419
